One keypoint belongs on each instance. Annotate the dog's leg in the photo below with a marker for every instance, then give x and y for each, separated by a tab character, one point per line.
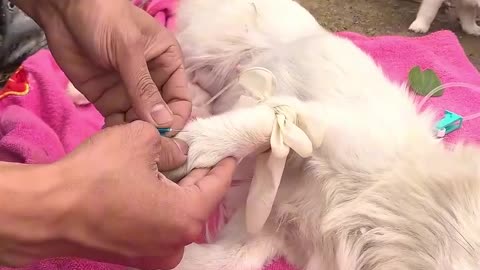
236	134
234	250
467	14
426	14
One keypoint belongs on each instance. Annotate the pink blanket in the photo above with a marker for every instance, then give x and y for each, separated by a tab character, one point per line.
162	10
39	123
439	51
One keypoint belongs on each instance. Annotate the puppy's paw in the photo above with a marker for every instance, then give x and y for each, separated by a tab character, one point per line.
236	134
203	152
419	26
472	30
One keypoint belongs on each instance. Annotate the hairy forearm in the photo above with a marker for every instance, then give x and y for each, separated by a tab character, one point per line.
31	202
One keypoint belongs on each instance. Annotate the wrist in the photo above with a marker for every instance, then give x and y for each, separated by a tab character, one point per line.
33	202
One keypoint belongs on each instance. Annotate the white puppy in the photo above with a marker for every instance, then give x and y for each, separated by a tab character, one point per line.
466	11
377	192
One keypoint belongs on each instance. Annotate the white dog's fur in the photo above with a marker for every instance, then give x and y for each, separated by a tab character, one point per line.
466	11
380	192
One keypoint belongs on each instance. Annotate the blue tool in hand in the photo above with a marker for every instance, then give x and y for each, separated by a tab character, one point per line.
164	131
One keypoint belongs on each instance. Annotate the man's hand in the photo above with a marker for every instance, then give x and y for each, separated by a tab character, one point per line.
126	63
107	201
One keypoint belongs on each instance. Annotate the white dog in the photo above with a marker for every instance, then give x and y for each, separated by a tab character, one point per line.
366	186
466	10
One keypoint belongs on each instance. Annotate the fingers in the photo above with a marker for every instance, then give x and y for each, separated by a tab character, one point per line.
115	101
121	118
174	89
172	154
171	105
205	189
214	186
115	119
193	177
168	153
142	91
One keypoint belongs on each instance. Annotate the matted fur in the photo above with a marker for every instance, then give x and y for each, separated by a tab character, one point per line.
380	192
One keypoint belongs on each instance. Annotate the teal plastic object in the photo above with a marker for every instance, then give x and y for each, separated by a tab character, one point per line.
164	131
448	124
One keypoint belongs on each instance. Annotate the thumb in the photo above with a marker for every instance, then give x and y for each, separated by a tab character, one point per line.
142	91
172	154
168	153
207	188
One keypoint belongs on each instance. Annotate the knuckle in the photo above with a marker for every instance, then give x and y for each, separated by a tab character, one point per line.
138	126
170	59
151	131
129	42
174	260
175	54
192	231
145	86
142	129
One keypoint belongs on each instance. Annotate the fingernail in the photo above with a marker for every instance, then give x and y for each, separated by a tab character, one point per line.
182	146
161	114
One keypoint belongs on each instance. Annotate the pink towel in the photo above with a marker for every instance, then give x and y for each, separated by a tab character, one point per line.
40	124
162	10
441	52
44	124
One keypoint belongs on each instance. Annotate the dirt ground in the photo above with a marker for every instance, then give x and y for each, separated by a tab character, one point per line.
383	17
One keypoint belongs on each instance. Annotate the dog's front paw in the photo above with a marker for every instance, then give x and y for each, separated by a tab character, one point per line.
472	30
419	26
203	152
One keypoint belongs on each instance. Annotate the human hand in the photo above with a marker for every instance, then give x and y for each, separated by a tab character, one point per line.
126	210
117	55
109	203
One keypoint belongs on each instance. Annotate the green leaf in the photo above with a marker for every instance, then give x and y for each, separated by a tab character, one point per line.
424	82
